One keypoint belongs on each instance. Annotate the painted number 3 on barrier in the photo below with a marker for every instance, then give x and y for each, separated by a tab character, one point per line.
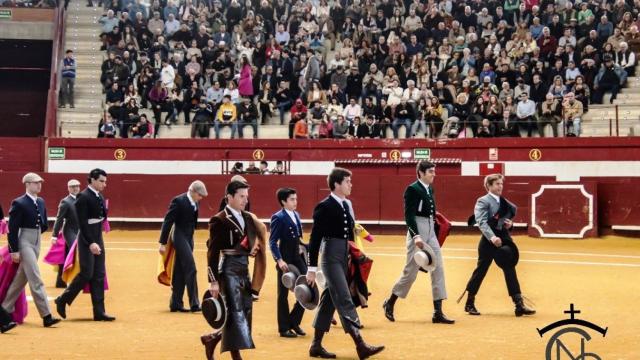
120	154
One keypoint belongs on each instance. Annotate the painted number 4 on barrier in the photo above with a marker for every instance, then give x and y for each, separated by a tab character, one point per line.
422	154
56	153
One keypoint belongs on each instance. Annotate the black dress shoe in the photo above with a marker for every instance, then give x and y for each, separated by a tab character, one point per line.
196	308
182	310
365	350
388	310
61	307
317	351
524	310
471	309
298	330
441	318
61	284
103	317
288	334
6	327
49	321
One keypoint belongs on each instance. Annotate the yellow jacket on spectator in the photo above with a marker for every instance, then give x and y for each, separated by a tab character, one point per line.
573	111
227	112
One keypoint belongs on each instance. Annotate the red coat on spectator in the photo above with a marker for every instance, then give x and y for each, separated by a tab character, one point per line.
245	84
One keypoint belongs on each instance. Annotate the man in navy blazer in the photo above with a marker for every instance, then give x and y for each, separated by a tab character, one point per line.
285	240
27	221
182	217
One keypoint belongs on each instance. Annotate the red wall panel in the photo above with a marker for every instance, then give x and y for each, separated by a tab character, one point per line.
21	154
375	197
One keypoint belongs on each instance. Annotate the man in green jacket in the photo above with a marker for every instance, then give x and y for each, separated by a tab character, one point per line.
419	214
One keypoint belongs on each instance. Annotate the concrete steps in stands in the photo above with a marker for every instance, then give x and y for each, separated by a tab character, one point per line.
82	36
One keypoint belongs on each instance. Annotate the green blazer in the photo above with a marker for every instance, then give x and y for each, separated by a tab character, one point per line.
418	202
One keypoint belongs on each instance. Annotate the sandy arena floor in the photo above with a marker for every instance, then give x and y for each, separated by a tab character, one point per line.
599	276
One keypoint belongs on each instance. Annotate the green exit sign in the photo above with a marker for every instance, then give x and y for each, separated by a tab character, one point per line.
5	14
422	154
56	153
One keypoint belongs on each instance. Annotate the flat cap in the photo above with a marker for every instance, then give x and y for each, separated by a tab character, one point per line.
32	178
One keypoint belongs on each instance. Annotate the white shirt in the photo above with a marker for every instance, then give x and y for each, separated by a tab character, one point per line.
73	196
292	215
426	187
495	197
193	203
237	215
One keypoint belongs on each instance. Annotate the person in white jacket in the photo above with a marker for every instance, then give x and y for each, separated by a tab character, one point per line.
394	93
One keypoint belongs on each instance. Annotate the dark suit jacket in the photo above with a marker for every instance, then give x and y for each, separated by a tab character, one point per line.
226	233
329	221
417	202
67	220
285	236
510	130
90	206
23	214
181	214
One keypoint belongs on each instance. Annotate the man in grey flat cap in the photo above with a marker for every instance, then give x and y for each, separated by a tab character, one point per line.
27	221
67	222
182	217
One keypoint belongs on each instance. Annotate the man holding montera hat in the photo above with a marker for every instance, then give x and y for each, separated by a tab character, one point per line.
493	214
234	235
333	225
285	240
420	214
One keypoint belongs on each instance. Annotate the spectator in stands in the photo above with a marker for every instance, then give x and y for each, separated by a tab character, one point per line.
108	22
507	126
202	120
485	129
369	130
572	111
108	129
582	92
252	168
404	115
526	111
341	128
550	112
352	110
142	128
264	168
625	58
608	79
300	129
191	101
248	116
237	168
283	100
160	101
68	79
279	169
298	112
227	116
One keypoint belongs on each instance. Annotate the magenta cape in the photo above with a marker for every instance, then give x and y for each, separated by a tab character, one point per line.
8	270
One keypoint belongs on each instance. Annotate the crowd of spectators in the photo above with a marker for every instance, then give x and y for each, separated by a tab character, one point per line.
366	68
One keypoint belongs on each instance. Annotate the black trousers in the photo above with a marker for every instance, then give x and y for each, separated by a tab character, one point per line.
288	320
337	295
92	271
184	274
486	253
